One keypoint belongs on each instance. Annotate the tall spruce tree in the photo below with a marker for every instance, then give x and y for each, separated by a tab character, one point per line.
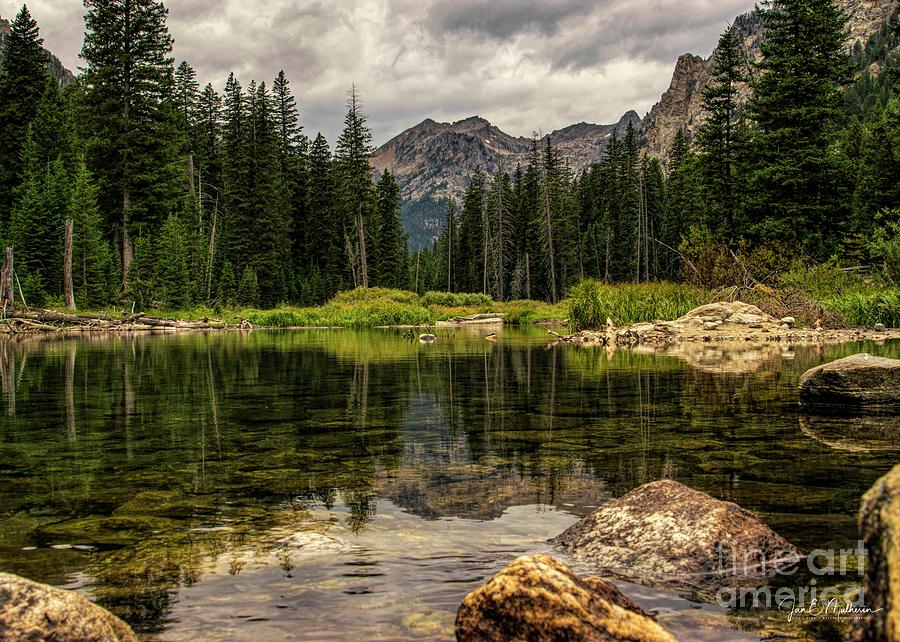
294	155
131	120
471	235
717	137
797	178
91	256
447	252
355	189
325	266
391	258
270	222
23	80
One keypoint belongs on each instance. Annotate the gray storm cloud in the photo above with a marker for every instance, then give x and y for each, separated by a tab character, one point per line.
525	65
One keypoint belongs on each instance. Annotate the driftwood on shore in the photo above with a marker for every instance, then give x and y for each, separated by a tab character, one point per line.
32	321
485	318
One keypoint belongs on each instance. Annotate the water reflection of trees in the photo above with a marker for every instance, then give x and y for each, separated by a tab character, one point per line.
227	424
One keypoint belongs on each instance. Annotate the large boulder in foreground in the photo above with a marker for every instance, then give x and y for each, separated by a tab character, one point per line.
539	599
879	528
666	534
30	611
858	380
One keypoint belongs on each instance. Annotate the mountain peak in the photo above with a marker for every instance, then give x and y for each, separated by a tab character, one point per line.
471	123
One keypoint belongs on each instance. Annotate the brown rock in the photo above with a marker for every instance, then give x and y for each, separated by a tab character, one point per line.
30	611
879	528
860	380
539	599
667	534
736	312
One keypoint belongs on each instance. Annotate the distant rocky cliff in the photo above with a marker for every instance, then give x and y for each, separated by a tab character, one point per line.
681	104
57	70
433	160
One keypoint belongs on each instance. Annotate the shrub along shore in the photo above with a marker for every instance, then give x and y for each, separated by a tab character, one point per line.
824	295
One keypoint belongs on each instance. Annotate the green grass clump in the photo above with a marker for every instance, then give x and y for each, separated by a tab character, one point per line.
861	308
457	299
823	281
376	295
345	315
591	302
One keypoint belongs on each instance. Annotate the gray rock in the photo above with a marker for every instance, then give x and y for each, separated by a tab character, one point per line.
858	380
666	534
30	611
788	320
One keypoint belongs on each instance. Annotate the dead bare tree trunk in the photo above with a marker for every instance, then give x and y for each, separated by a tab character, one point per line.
127	247
7	292
68	290
551	251
212	252
418	256
363	260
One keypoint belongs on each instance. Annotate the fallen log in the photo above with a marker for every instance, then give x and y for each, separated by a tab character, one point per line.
18	321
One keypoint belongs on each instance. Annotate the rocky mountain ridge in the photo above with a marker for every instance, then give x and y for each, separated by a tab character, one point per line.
681	106
433	160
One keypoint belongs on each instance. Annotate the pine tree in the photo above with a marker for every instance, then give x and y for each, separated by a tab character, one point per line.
717	137
392	240
172	274
23	80
685	203
131	120
499	228
294	153
186	103
324	248
797	179
355	198
878	174
226	293
471	235
236	180
91	256
36	224
248	289
447	252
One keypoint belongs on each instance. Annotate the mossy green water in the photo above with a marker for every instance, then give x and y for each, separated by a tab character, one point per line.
152	471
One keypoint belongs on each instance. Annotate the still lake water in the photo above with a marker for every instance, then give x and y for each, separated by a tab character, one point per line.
337	485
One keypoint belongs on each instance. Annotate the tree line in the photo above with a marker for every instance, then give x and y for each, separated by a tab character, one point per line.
807	169
180	195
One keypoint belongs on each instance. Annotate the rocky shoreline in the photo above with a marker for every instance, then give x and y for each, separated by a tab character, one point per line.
729	325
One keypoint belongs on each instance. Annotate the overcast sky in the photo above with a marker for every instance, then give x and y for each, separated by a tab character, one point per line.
524	65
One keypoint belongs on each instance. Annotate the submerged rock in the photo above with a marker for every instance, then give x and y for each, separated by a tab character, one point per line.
854	433
313	543
666	534
539	599
859	380
32	611
879	527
